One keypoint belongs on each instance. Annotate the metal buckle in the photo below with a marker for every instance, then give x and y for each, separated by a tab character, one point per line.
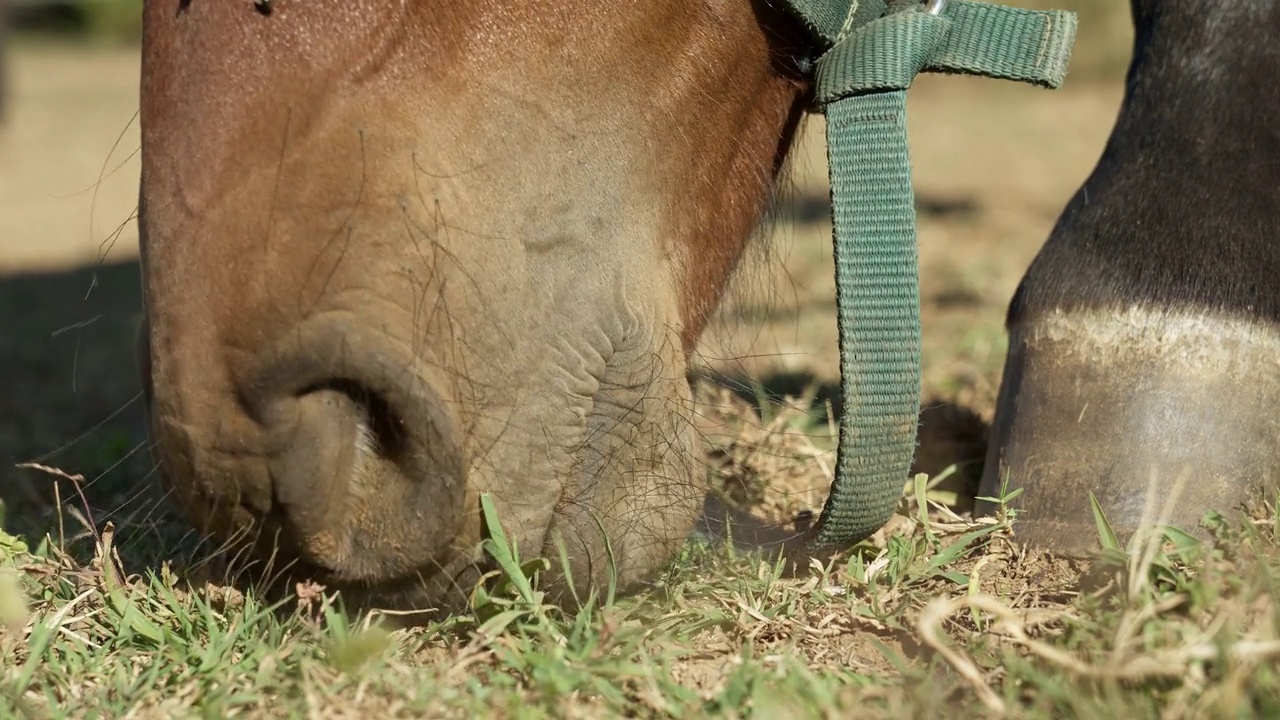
934	7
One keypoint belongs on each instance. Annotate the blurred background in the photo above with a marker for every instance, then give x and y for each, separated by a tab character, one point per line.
994	164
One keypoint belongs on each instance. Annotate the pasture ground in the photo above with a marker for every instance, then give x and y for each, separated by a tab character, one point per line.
108	607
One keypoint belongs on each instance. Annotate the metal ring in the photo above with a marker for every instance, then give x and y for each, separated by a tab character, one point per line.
934	7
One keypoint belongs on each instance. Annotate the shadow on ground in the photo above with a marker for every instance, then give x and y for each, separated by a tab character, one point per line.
949	434
72	402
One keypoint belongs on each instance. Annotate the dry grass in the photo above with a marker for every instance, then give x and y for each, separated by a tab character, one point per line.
936	614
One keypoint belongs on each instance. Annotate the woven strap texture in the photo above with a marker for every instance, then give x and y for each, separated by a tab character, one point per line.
873	52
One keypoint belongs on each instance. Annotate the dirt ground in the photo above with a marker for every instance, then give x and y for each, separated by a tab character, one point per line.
994	164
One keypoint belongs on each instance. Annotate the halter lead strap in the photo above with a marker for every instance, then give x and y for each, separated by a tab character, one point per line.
873	51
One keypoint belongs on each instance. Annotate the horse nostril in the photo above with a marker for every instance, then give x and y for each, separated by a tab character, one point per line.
316	443
382	427
365	468
335	444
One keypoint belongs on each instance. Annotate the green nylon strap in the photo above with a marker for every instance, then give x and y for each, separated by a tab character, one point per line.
877	304
829	19
968	37
861	84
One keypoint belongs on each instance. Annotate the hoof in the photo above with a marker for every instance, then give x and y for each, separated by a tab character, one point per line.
1132	405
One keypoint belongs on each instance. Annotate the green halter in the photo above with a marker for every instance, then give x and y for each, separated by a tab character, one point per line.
871	51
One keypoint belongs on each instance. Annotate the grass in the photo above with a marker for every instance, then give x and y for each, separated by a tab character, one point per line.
935	615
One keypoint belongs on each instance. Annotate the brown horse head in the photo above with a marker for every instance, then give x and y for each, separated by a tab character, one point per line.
398	253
